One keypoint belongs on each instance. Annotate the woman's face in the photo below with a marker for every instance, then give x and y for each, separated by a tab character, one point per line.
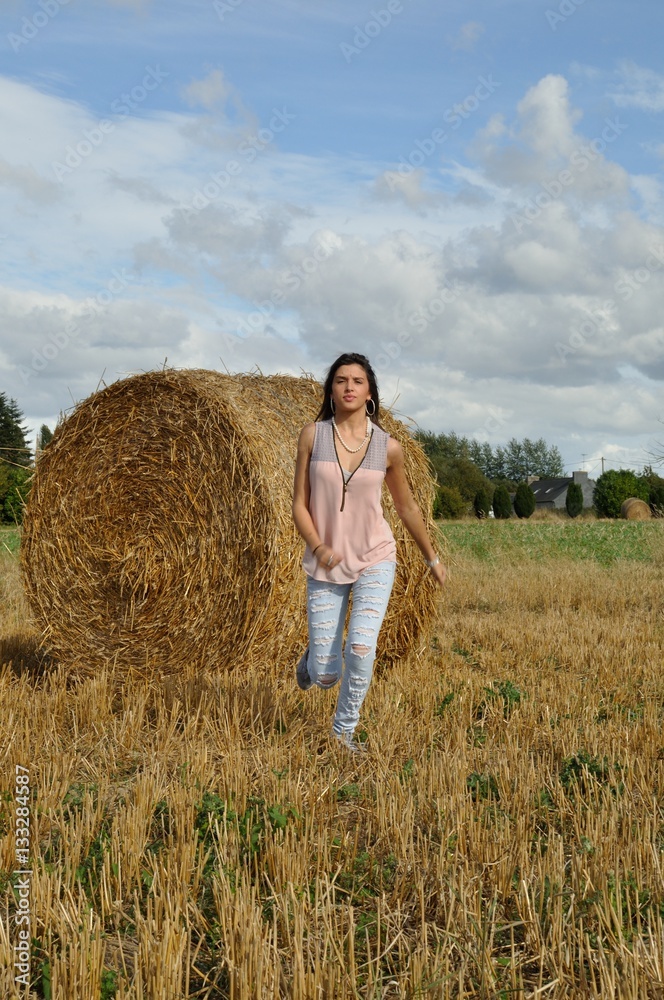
350	388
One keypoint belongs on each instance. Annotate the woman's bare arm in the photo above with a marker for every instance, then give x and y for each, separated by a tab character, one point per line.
301	491
407	508
301	515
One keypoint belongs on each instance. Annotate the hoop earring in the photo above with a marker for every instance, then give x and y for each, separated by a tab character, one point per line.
333	406
370	412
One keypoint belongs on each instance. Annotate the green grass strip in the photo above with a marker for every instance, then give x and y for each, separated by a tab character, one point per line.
604	542
10	540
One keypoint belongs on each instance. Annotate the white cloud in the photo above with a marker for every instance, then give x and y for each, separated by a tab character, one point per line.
298	257
30	184
609	418
393	185
578	69
468	36
639	87
212	91
530	156
539	267
225	120
546	118
140	187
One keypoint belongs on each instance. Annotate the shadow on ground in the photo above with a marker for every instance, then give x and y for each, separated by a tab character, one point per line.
25	656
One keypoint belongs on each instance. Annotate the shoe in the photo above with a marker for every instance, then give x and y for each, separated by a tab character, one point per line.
348	743
302	677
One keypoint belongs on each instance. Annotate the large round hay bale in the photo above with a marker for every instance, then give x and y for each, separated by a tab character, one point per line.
634	509
159	531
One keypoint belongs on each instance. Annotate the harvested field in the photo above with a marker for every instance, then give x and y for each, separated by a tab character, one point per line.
197	836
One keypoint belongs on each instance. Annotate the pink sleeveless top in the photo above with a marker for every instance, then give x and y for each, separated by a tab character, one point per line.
347	510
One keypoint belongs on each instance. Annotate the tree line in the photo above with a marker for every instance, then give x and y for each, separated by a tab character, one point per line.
468	472
511	464
470	475
473	476
16	460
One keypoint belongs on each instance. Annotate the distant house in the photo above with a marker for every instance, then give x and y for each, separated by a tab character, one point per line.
553	492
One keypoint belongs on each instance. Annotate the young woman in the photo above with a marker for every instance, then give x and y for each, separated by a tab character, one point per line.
342	460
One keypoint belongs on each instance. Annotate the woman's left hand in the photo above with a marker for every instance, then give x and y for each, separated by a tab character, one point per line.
440	573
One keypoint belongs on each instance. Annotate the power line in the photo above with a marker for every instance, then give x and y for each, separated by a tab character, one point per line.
572	465
632	460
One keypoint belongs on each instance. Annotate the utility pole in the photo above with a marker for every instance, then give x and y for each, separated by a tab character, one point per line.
602	464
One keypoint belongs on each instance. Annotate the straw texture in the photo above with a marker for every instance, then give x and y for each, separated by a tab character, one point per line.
159	531
634	509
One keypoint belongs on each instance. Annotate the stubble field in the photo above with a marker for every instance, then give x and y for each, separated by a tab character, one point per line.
503	838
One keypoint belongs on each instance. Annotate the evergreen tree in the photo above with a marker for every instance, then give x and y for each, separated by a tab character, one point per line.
540	460
499	470
516	467
574	500
13	445
475	453
502	504
480	453
488	462
524	500
14	461
553	466
534	456
44	437
482	503
14	494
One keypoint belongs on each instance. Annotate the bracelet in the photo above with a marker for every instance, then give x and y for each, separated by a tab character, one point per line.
432	562
314	551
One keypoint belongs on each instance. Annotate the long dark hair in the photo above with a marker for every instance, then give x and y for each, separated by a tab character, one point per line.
325	412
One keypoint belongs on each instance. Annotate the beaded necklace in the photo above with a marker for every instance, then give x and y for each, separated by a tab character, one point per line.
353	451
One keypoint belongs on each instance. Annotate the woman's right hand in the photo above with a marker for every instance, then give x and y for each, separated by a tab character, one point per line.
439	573
326	557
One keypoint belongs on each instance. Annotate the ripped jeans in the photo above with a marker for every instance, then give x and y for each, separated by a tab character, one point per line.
326	614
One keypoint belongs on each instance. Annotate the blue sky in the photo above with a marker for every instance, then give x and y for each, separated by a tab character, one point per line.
471	194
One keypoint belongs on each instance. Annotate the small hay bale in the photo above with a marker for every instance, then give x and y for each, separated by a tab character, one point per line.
634	509
159	532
